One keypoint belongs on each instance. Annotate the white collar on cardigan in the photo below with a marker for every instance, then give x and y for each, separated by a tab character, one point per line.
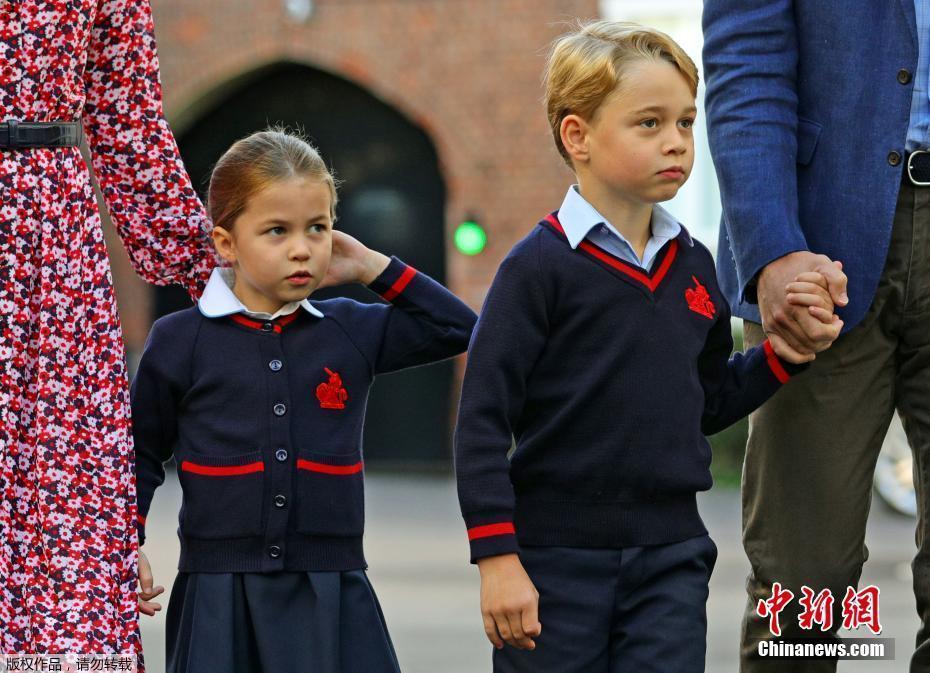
578	217
218	299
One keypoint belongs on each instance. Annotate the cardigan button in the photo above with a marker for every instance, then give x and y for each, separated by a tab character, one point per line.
280	501
267	327
904	76
894	158
281	455
280	409
275	365
274	551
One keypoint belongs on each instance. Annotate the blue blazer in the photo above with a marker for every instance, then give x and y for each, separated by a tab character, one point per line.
807	121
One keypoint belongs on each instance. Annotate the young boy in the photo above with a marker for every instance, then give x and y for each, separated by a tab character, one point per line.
602	350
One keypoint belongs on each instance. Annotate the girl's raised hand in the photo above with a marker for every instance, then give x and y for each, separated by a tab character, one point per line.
352	262
146	591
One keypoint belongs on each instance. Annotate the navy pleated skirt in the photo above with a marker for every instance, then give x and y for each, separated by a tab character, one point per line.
286	622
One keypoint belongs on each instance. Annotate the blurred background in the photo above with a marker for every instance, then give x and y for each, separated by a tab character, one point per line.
431	113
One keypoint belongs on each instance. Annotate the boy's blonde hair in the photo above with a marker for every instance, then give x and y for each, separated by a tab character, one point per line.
587	65
255	162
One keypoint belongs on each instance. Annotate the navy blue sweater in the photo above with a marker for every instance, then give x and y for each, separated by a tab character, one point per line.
607	378
265	420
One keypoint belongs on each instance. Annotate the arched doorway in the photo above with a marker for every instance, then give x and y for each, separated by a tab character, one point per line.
392	199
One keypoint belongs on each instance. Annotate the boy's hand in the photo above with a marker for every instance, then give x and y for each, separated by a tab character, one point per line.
147	591
352	262
791	328
509	602
787	353
810	289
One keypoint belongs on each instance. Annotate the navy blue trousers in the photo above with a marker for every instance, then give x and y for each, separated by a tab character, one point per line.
633	610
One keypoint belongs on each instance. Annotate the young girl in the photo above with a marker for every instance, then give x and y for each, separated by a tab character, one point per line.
260	396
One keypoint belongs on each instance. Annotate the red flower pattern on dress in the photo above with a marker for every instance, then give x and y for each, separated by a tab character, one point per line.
68	545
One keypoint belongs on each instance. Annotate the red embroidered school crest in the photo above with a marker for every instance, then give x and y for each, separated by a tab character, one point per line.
699	299
330	393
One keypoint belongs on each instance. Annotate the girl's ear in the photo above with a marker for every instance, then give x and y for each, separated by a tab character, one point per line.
225	244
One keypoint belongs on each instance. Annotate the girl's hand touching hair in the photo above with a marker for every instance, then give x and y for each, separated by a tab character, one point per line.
352	262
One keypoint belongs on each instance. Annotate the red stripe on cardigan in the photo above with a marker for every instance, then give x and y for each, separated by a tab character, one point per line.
774	363
400	283
278	324
225	471
242	320
313	466
287	320
491	530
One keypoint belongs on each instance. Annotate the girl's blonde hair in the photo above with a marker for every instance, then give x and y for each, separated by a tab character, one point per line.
587	65
255	162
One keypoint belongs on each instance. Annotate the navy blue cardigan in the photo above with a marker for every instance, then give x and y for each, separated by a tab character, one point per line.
265	420
608	378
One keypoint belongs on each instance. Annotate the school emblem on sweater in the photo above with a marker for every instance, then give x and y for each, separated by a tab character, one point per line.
330	393
699	299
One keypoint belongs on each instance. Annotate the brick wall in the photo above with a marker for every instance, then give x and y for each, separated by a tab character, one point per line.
466	71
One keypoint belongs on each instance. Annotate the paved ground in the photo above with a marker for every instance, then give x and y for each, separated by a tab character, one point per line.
416	548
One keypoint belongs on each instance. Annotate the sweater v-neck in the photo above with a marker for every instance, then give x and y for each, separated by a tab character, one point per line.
641	278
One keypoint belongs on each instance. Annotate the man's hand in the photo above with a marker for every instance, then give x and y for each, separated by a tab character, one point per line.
146	591
509	602
792	330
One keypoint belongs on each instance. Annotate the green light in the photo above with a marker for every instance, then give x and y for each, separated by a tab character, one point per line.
470	238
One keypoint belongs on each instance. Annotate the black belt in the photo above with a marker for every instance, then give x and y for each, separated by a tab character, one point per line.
917	168
15	135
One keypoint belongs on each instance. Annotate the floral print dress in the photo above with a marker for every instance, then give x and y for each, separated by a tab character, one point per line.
68	546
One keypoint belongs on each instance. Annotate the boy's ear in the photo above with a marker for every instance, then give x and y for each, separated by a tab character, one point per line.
574	134
224	243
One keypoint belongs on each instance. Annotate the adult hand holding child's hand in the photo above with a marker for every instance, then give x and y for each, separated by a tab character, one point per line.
799	331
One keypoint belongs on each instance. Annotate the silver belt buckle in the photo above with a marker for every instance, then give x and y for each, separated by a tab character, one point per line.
910	175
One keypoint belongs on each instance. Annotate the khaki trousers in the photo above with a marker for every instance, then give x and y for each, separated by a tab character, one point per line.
807	479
